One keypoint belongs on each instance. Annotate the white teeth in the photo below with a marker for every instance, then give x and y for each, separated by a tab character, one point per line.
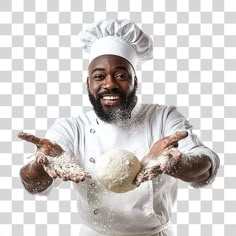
111	97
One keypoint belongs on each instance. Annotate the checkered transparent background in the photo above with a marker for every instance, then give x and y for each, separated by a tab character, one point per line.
42	75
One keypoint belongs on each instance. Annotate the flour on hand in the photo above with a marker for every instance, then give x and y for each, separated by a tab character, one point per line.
65	167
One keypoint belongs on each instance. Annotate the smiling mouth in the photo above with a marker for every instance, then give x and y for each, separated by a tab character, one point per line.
109	100
111	97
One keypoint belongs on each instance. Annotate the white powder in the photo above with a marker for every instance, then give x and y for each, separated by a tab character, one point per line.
155	166
161	161
64	164
117	169
164	162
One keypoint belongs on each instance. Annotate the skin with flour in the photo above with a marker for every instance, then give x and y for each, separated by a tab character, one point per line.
51	162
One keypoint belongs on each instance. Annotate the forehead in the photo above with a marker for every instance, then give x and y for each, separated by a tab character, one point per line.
107	62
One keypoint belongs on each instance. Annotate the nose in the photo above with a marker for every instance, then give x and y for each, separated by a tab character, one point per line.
110	83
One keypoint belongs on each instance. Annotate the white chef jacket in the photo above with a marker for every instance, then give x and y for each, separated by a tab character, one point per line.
145	210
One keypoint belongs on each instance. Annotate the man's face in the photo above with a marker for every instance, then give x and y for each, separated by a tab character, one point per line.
112	87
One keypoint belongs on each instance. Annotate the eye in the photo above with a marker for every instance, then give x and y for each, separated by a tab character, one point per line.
99	77
121	76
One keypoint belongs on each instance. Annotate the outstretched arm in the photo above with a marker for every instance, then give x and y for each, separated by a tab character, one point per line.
51	161
34	178
164	157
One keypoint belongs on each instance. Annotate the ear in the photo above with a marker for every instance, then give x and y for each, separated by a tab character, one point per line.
135	82
87	82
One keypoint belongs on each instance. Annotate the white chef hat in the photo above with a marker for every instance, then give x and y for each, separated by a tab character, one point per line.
117	37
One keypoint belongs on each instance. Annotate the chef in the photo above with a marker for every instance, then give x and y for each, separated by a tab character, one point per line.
118	120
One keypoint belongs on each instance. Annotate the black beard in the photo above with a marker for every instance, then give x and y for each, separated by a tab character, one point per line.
114	114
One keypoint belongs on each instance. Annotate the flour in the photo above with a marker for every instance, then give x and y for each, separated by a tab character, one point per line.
117	169
55	161
160	162
154	166
64	166
164	162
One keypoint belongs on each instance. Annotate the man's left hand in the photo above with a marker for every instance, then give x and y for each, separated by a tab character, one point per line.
163	156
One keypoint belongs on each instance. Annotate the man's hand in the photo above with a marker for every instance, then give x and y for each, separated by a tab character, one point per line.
163	157
55	161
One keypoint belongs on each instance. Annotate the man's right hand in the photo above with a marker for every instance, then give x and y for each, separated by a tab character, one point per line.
51	161
44	146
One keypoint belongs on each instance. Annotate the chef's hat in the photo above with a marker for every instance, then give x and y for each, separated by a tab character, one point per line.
117	37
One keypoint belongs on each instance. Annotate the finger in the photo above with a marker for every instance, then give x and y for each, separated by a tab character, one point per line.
51	172
147	173
167	142
174	145
151	176
173	139
60	172
146	176
41	158
80	177
29	138
87	175
140	178
81	174
77	178
64	175
138	182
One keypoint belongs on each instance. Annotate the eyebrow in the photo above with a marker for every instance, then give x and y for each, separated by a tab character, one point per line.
97	69
121	68
116	68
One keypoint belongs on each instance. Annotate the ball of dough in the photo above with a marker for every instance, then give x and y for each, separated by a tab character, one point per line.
117	169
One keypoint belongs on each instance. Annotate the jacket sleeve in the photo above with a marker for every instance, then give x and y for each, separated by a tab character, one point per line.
191	145
62	132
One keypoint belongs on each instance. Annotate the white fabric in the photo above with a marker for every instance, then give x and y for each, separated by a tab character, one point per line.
116	37
112	45
145	210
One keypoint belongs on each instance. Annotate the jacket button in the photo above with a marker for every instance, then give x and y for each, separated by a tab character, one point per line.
95	211
92	160
92	184
92	131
